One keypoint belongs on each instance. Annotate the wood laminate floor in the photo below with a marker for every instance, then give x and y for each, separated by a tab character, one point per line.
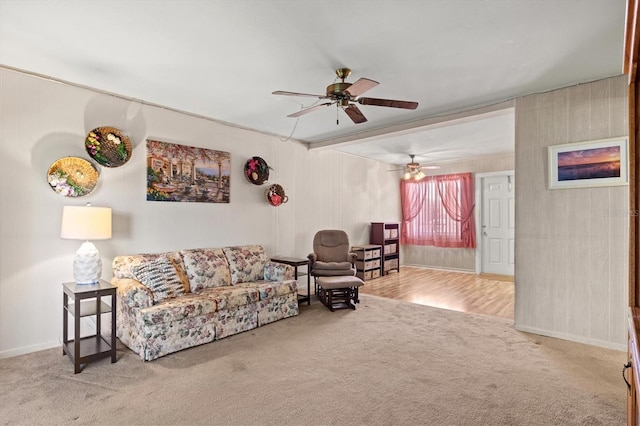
458	291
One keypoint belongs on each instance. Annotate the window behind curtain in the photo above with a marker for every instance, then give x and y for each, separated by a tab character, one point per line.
438	211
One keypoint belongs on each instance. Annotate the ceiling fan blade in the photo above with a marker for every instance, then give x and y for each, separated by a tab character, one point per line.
355	114
361	86
388	103
432	167
308	110
281	92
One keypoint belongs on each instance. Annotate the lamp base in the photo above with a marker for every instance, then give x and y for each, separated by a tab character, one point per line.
87	266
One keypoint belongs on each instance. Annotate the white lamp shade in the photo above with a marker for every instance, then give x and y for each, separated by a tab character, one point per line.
86	223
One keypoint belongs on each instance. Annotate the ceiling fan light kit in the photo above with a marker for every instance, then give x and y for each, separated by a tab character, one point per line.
415	175
346	95
413	170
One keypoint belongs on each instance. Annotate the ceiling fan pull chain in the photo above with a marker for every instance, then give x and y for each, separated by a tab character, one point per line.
337	115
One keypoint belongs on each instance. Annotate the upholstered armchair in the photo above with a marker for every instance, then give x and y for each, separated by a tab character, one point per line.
332	255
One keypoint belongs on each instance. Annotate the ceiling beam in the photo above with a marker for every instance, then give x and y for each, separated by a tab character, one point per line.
413	126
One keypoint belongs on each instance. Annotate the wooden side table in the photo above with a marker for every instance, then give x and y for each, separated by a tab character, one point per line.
83	350
296	262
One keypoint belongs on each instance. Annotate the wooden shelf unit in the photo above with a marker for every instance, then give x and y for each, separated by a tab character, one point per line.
368	261
387	235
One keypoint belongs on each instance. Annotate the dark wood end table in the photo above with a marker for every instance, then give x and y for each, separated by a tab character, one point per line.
296	262
83	350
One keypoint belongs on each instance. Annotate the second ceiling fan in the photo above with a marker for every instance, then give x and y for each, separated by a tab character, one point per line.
346	96
413	169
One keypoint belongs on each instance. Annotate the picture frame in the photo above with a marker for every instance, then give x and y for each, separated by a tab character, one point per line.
602	162
184	173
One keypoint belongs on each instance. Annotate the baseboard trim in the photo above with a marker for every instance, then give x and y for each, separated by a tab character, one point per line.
497	277
28	349
573	338
440	268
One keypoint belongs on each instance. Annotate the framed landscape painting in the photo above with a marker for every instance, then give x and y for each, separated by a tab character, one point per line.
587	164
187	173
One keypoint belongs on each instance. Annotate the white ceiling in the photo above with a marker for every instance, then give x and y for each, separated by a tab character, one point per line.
222	59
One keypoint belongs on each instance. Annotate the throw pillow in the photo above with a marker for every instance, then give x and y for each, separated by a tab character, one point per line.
160	277
206	268
246	263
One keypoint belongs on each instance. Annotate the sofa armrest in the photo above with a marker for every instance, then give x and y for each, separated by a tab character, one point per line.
133	293
274	271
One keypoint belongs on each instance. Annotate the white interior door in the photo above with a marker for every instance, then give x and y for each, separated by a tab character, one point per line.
498	224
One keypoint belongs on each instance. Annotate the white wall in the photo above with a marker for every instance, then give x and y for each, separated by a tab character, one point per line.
42	121
571	271
463	259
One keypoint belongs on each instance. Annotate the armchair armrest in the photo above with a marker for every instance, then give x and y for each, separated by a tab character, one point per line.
351	257
313	258
132	293
274	271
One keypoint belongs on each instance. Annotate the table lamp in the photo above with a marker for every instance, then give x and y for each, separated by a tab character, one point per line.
86	223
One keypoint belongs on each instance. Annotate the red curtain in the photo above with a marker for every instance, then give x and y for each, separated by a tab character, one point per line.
438	211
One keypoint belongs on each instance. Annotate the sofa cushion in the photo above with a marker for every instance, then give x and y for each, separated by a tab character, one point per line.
160	277
246	263
186	306
122	265
206	268
269	289
231	297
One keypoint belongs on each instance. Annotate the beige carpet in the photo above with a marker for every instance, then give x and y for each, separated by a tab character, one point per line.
387	363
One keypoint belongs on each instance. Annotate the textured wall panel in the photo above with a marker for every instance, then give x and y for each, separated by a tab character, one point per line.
571	244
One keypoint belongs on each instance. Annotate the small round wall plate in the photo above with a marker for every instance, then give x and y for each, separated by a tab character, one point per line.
108	146
72	177
256	170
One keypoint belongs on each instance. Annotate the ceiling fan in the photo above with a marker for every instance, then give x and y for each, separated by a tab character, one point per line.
413	170
346	95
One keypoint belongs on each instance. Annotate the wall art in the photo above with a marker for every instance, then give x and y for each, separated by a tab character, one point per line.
108	146
72	177
256	170
586	164
275	195
185	173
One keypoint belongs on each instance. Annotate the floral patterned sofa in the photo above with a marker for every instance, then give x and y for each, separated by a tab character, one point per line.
167	302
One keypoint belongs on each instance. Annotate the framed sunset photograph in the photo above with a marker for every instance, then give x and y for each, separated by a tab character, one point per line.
587	164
